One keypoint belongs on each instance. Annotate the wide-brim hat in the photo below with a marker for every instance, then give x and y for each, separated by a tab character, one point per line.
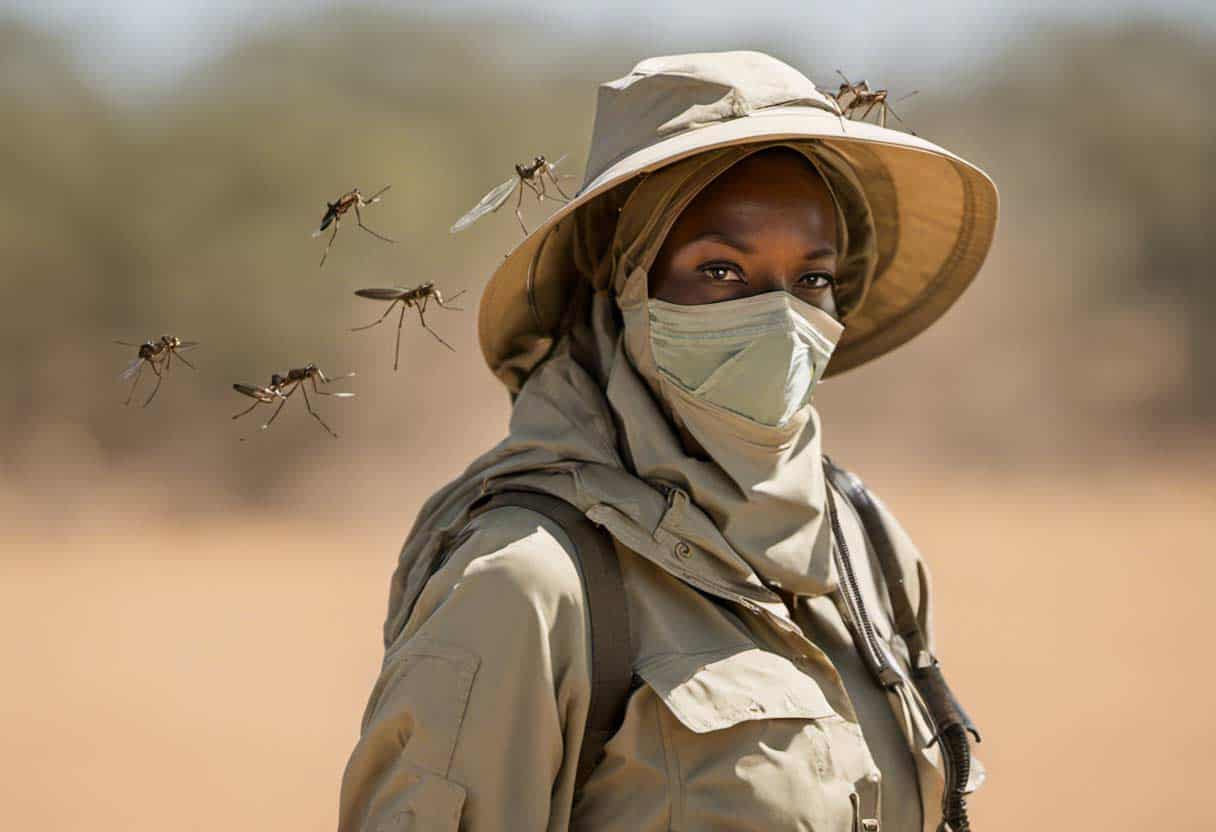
934	214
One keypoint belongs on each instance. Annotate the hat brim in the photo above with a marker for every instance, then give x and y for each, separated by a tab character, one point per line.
935	215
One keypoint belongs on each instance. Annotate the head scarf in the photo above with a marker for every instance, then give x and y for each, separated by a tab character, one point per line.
598	411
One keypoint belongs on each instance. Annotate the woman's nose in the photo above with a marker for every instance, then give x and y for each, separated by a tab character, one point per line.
770	281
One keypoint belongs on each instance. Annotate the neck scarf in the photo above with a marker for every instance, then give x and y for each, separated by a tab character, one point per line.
598	410
762	486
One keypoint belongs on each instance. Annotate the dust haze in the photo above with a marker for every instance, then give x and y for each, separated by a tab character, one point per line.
189	624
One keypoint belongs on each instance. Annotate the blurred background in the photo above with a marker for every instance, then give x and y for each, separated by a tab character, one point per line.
189	624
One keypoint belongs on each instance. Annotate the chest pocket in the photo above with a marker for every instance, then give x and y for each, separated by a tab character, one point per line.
751	743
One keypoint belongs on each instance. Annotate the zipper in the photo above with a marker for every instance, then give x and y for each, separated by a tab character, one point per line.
887	676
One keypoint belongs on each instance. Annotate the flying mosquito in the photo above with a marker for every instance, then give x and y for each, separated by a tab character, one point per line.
851	98
418	297
532	175
157	355
334	211
282	387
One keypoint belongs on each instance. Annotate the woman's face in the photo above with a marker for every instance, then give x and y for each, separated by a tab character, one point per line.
767	224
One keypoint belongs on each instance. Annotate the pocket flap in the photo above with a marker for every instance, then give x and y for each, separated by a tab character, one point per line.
708	692
420	801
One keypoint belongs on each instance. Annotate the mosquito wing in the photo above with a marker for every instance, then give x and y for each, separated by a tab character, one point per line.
131	370
381	294
490	202
342	395
262	394
330	215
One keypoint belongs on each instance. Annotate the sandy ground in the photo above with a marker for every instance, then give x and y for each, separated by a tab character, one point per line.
212	676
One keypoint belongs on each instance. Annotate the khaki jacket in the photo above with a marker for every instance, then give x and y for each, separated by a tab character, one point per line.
742	723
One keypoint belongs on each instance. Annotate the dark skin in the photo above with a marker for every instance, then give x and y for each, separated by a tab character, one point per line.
767	224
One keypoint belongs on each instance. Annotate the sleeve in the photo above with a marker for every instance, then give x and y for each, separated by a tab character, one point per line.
477	716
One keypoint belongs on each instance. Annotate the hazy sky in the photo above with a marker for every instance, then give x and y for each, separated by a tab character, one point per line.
154	40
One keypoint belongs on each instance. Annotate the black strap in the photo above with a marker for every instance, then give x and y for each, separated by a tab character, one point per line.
611	649
906	622
951	723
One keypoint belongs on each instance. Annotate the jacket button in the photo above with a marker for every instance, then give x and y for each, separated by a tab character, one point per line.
683	550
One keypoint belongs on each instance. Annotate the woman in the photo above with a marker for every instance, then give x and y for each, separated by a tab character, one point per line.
662	335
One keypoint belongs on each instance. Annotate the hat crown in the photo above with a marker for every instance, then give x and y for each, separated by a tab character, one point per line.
670	94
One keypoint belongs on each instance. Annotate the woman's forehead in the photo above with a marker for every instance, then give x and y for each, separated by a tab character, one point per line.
773	189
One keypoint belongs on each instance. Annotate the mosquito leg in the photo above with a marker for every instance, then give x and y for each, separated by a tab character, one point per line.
397	353
891	110
326	380
275	415
316	415
538	187
325	253
159	378
444	303
556	184
376	196
422	317
518	204
359	220
379	320
321	392
246	410
546	176
182	359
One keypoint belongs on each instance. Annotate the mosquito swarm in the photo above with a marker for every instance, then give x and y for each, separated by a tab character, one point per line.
853	101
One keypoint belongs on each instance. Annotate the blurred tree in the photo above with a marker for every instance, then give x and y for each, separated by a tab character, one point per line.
1128	109
189	211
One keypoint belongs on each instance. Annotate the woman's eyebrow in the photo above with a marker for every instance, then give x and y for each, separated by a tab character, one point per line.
718	236
733	242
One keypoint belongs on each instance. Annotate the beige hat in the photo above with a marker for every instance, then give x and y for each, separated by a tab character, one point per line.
934	214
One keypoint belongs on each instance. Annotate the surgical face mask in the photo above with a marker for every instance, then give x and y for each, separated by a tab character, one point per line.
758	357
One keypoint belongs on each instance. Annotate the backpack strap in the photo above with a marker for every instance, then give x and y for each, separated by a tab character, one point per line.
950	722
611	649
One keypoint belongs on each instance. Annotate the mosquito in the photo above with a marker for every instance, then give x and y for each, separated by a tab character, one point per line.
532	175
334	211
282	387
851	98
418	297
157	355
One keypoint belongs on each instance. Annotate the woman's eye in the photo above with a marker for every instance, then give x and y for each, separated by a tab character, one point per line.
721	271
816	280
